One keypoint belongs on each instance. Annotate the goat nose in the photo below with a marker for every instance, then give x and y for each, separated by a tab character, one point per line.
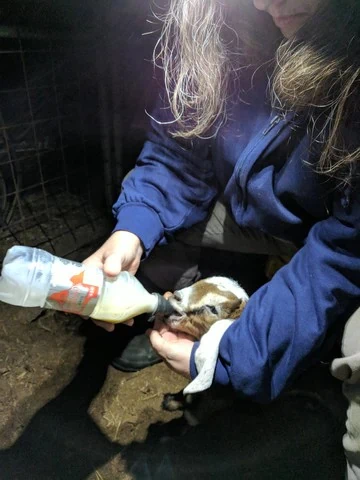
177	296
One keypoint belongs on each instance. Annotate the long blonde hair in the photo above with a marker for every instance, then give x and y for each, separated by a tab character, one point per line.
196	65
315	74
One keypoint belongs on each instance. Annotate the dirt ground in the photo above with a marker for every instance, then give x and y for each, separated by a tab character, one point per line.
66	415
51	374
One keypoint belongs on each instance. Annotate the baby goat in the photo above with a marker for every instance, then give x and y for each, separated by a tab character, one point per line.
197	308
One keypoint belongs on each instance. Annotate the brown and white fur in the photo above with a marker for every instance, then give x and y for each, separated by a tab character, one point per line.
197	308
201	305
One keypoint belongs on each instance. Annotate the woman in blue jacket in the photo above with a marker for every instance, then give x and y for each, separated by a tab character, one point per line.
258	126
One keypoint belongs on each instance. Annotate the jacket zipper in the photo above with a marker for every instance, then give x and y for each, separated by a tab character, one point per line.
272	124
258	140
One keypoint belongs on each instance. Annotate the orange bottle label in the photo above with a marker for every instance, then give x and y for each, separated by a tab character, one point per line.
80	297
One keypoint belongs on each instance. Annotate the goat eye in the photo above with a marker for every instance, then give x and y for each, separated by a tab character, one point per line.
212	309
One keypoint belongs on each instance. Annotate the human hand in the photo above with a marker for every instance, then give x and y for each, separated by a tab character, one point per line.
174	347
122	251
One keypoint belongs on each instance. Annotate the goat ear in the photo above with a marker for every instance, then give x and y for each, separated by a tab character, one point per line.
237	308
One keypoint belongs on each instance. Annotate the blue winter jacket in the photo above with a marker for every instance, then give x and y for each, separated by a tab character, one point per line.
263	166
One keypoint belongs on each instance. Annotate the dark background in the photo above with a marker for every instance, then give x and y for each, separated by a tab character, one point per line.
75	80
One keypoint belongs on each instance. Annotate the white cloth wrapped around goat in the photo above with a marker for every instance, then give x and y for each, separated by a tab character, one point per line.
206	357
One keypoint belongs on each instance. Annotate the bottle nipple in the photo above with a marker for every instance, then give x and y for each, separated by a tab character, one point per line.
163	306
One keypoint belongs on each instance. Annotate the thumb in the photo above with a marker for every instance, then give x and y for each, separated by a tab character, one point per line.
93	261
112	264
109	327
157	342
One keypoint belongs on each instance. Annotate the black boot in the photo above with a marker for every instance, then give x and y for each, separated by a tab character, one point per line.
138	354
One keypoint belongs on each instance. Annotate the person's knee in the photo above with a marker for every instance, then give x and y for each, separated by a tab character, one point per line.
347	368
351	335
351	439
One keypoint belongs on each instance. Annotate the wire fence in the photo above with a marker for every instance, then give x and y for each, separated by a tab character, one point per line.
51	169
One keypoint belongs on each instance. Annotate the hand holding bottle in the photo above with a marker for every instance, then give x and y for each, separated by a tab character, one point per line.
121	251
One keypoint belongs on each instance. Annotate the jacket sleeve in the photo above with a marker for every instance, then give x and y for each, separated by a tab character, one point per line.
171	187
284	324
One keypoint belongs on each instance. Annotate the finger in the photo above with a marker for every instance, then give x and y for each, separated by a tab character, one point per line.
157	342
109	327
93	261
129	323
159	325
168	295
166	332
112	265
133	268
170	337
